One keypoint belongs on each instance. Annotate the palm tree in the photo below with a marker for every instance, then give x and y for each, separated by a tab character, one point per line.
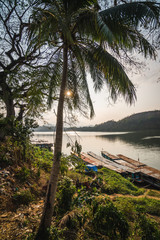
82	39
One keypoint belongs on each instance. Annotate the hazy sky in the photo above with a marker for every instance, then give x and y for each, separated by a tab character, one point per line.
147	84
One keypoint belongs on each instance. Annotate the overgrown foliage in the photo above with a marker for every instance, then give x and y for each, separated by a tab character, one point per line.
16	146
23	197
65	193
83	210
109	221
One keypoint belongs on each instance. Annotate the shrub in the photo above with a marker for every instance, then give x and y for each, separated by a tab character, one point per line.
140	205
146	205
43	159
82	177
108	221
23	197
18	133
56	234
23	174
64	165
127	207
5	156
66	190
149	229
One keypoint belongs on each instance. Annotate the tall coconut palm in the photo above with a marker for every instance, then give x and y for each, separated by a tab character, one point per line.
82	39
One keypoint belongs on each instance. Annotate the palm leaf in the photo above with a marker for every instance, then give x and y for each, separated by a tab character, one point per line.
133	13
81	64
114	74
55	72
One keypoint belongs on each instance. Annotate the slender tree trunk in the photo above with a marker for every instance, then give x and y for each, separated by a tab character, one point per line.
46	219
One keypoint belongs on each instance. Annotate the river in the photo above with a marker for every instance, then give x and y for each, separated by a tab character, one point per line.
144	146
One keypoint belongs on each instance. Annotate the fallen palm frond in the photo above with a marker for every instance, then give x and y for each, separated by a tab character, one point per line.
68	217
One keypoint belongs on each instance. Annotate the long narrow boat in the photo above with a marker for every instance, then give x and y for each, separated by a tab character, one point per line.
125	169
147	174
100	162
131	161
109	156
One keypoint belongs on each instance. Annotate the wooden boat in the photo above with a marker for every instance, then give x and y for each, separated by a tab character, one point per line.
109	156
43	144
143	173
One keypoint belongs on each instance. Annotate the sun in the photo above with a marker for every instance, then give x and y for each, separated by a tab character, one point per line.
68	93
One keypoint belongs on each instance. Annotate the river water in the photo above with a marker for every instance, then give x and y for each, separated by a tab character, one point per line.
144	146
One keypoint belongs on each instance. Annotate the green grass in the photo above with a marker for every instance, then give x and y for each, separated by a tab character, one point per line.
115	183
153	193
140	205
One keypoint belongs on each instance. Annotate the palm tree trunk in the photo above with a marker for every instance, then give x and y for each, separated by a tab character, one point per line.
52	186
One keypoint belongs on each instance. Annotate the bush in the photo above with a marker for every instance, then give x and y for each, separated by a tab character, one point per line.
19	133
56	234
43	159
140	205
108	221
127	207
5	148
84	196
23	197
23	174
82	177
149	229
66	190
145	205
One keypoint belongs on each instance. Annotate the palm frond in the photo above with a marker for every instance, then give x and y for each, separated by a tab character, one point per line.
74	6
146	13
114	74
81	65
55	72
103	30
127	38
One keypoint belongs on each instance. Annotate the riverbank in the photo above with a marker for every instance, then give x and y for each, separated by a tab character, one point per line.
144	146
79	209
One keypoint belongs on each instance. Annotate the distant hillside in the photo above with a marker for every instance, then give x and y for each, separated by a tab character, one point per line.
135	122
45	129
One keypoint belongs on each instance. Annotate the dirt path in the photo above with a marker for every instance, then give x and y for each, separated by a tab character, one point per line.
145	195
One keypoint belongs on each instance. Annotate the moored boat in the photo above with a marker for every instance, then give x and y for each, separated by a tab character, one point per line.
143	173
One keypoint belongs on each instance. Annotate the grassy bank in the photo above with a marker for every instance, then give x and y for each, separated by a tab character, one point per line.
88	206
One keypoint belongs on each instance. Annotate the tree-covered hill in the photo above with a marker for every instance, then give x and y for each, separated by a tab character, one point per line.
139	121
45	129
135	122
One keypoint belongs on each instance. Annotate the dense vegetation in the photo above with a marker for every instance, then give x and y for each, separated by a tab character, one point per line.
101	205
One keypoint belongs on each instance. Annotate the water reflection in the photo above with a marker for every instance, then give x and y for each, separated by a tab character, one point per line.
145	139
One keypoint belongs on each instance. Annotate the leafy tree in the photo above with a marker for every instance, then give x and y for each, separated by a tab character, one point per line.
83	38
23	76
